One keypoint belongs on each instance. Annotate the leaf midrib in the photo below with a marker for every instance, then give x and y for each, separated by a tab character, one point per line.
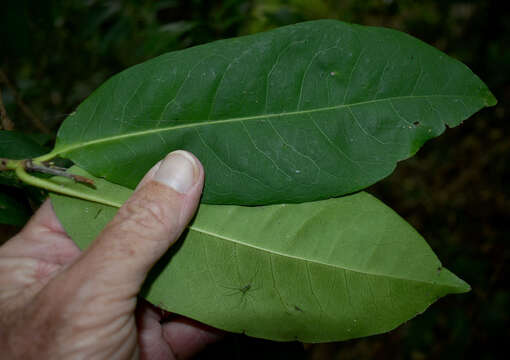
209	233
71	147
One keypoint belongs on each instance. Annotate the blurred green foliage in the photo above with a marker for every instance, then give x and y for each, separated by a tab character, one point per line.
55	53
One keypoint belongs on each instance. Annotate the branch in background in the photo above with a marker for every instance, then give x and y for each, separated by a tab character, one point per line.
6	122
26	110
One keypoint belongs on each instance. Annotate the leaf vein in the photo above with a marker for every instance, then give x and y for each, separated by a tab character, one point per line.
66	148
273	252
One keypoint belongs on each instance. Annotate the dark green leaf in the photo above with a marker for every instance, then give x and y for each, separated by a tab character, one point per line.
301	113
16	145
318	271
40	138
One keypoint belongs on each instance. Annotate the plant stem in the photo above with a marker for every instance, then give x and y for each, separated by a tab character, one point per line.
45	157
21	167
56	171
61	189
9	164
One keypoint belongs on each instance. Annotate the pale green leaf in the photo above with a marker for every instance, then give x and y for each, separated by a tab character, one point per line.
319	271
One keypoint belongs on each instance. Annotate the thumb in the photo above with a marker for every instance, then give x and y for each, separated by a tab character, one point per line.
147	224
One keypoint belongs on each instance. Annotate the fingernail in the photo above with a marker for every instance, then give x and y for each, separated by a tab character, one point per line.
178	170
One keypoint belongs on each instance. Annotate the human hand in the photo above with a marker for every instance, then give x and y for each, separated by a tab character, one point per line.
59	303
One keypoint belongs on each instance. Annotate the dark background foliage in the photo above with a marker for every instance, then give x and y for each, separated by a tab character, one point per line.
53	54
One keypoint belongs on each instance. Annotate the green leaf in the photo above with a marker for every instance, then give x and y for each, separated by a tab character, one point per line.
40	138
16	145
319	271
300	113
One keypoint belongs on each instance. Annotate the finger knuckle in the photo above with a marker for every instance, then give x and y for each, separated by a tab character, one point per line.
146	216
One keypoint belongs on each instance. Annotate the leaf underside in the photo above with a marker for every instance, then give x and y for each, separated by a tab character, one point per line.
319	271
300	113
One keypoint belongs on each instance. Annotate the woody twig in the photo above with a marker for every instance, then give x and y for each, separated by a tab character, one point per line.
48	168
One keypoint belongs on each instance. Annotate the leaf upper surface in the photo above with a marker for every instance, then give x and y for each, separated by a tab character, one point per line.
319	271
16	145
300	113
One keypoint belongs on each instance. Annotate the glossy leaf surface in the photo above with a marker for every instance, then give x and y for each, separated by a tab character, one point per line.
319	271
300	113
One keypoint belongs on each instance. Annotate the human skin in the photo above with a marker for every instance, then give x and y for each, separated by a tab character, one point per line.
57	302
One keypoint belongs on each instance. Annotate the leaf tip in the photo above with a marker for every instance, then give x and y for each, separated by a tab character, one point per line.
487	96
457	285
490	100
462	287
